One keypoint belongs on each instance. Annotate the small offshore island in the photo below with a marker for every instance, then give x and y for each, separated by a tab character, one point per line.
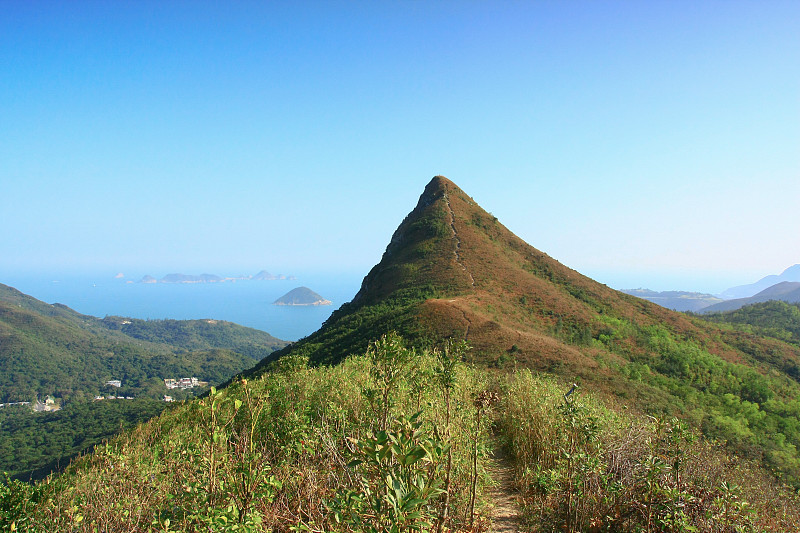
301	296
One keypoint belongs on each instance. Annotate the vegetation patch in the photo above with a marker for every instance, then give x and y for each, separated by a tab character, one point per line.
399	440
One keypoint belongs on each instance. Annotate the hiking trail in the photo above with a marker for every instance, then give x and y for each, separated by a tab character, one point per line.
502	495
457	250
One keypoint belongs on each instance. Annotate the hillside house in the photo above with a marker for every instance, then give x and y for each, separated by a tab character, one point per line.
49	404
184	383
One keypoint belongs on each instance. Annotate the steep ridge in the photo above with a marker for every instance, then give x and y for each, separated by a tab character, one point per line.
453	271
457	250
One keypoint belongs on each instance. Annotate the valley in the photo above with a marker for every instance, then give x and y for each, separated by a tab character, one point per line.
53	356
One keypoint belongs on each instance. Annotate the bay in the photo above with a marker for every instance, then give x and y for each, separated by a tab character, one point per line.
245	302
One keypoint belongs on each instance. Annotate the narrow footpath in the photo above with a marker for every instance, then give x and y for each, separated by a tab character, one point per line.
457	249
505	508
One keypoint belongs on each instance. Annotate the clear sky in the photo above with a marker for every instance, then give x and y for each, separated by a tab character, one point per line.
652	144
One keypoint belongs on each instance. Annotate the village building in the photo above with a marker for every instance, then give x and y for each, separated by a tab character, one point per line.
184	383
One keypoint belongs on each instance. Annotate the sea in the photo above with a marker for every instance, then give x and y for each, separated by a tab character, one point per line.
245	302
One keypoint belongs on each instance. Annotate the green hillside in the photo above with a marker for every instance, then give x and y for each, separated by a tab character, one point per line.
52	350
674	424
402	440
777	319
451	270
190	335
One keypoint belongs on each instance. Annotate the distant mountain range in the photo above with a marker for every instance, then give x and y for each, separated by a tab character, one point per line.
676	300
212	278
786	291
781	287
745	291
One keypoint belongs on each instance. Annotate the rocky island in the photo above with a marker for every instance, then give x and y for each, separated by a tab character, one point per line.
301	296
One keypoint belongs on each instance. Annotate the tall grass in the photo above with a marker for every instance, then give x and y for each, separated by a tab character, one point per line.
582	466
286	451
397	440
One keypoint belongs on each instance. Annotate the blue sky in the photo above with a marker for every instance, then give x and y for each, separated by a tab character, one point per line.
652	144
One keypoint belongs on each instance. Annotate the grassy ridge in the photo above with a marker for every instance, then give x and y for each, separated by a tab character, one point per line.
387	441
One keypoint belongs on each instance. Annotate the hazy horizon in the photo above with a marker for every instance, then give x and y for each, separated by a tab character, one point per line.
711	282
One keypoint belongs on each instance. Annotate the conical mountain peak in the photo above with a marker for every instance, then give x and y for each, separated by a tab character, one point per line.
424	251
451	269
436	188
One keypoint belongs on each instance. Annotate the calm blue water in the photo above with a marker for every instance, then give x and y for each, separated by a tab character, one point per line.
245	302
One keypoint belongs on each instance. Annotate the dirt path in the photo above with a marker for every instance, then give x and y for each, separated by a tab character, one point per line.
469	324
505	512
457	250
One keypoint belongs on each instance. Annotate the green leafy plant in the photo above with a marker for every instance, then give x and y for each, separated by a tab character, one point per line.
400	477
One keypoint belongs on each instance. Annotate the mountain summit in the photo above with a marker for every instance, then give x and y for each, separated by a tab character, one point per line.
481	282
452	270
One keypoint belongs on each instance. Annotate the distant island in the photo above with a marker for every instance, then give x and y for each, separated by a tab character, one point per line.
264	275
301	296
676	300
188	278
212	278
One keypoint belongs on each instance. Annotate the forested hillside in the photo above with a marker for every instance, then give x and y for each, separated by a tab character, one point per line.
191	335
775	318
52	350
32	445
